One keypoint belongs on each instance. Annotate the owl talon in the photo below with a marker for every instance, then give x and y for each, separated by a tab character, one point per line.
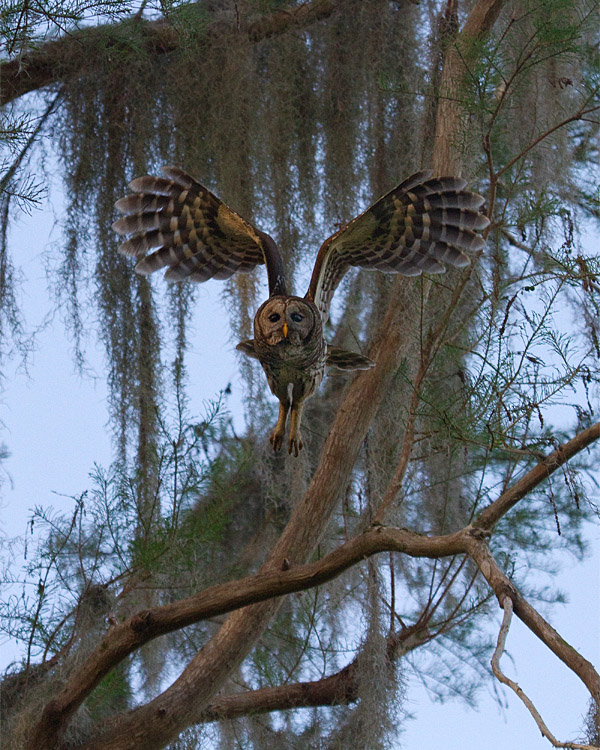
295	445
276	440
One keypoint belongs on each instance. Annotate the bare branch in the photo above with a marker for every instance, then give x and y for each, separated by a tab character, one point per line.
508	609
503	588
494	512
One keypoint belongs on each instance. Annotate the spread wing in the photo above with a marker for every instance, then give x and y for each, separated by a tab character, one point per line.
418	226
174	222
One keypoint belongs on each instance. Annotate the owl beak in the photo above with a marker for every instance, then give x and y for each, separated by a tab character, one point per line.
285	330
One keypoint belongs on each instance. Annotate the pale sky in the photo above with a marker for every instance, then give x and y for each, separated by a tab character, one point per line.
55	425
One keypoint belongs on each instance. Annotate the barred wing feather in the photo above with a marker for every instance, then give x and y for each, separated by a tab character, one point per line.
417	227
174	222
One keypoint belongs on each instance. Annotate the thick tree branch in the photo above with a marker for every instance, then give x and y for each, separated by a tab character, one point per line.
503	587
123	639
55	61
269	584
337	689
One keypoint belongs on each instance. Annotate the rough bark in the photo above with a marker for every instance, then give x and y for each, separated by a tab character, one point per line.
451	122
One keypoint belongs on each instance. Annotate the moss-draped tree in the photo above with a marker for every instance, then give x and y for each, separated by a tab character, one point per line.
425	480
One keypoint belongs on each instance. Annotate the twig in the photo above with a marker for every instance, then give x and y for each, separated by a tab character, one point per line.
11	171
577	116
504	628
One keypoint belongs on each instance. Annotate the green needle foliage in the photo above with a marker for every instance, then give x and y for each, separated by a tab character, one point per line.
298	123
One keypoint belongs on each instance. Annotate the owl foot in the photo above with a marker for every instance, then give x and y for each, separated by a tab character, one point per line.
295	444
278	433
276	439
295	441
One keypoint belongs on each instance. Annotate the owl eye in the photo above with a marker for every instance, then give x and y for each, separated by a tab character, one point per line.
296	317
274	317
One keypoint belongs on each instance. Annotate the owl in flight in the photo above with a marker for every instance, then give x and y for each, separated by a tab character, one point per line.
174	222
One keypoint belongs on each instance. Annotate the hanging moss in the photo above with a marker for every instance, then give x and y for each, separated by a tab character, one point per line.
298	132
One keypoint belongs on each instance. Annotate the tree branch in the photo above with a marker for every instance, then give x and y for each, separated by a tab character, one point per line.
271	582
121	640
494	512
337	689
58	60
507	604
503	588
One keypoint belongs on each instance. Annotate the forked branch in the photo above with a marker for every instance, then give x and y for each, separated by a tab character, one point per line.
502	587
507	604
267	585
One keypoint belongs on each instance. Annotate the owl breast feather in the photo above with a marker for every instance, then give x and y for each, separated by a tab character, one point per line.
303	367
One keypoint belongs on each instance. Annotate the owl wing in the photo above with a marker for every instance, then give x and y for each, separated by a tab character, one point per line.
175	222
418	226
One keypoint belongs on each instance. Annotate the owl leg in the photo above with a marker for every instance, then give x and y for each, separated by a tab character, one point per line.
278	433
295	442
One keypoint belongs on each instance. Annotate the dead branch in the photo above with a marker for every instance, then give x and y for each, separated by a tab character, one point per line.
506	603
503	588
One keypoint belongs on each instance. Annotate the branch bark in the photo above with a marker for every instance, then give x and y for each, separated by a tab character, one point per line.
57	60
494	512
504	628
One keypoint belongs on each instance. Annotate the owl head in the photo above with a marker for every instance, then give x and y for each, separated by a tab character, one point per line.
286	319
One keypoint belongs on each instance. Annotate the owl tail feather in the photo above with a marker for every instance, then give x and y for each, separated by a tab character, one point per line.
345	360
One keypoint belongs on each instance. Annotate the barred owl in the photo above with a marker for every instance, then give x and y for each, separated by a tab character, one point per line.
174	222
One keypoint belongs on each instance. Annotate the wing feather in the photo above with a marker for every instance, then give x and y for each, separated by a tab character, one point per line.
174	222
419	226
